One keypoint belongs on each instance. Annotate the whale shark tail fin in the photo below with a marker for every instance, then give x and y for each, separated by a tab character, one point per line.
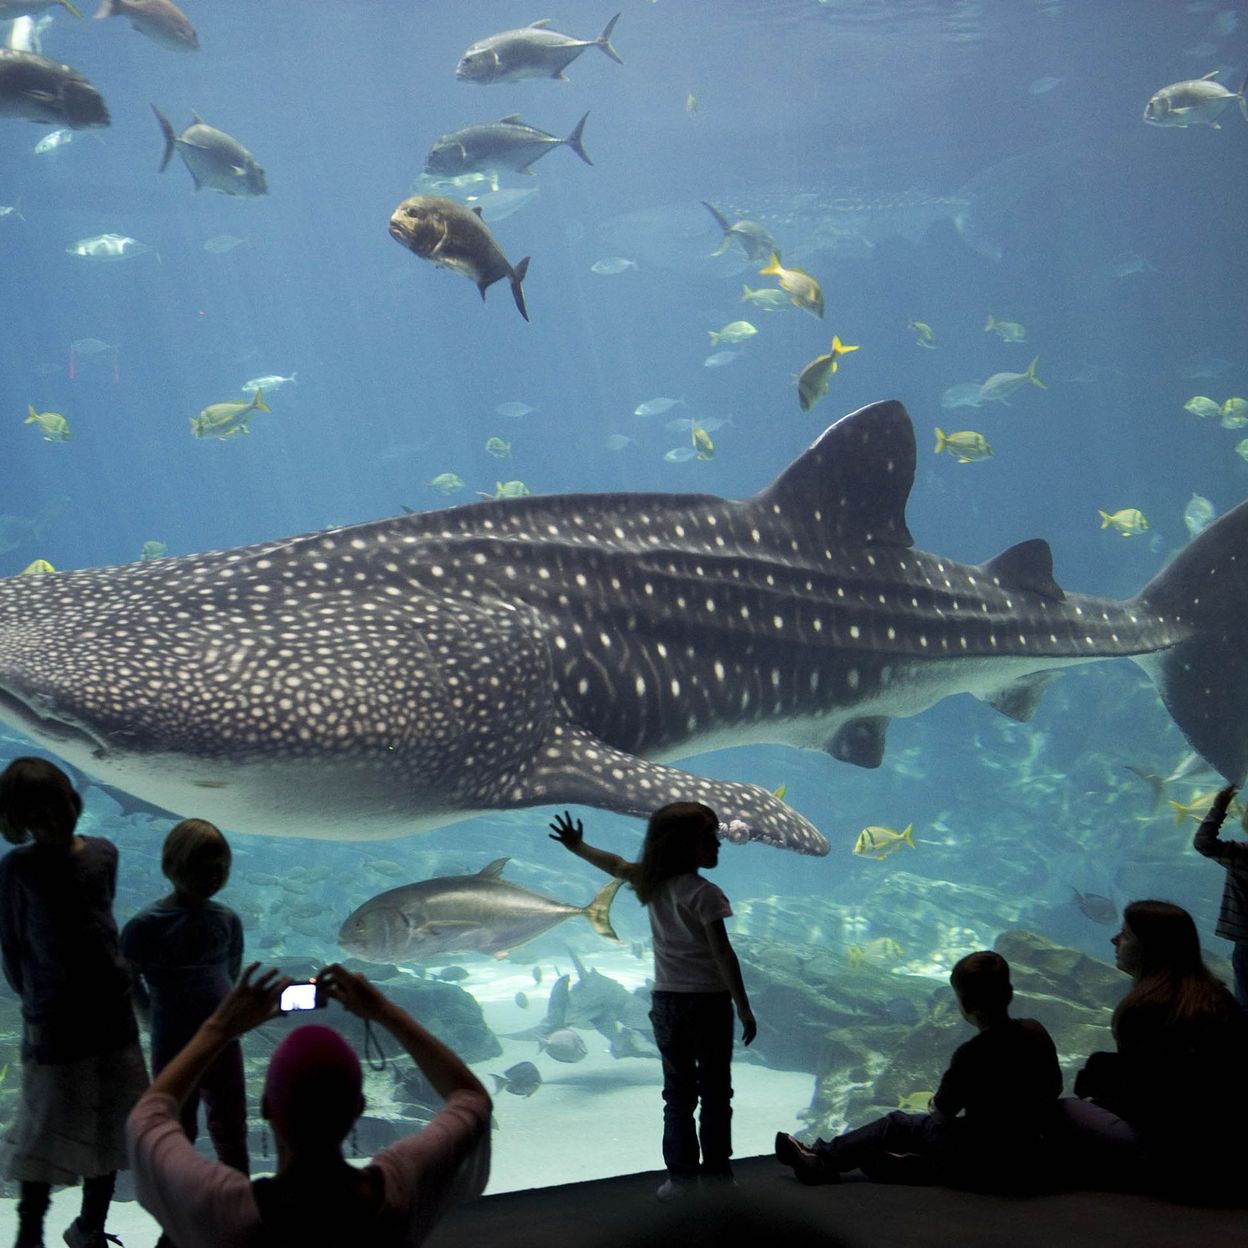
1204	679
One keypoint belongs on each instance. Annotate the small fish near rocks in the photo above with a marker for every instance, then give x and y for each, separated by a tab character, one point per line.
454	237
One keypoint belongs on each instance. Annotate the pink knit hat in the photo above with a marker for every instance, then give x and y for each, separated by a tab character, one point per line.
312	1091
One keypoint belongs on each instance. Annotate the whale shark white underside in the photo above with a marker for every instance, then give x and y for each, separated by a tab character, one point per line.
412	672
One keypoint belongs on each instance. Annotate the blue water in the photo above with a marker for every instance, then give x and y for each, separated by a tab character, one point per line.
1119	246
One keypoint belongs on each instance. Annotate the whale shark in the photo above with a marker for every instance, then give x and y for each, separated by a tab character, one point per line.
411	672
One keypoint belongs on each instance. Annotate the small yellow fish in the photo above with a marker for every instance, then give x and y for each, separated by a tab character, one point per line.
691	103
1235	413
1007	331
1241	449
701	440
1129	521
915	1102
804	290
227	420
767	298
1194	810
880	843
1200	405
780	792
153	550
736	331
812	381
53	426
498	448
508	489
924	335
855	955
967	446
38	568
883	949
447	482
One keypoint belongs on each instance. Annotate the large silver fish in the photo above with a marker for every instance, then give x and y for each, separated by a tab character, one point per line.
506	144
411	672
39	89
482	913
454	237
213	158
535	51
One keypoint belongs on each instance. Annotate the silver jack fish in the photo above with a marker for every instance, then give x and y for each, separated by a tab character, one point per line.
213	158
505	144
454	237
33	87
532	52
479	913
411	672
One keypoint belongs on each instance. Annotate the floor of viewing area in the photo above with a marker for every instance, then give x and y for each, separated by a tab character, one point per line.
769	1207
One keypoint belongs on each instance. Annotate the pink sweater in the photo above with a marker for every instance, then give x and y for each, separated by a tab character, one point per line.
203	1204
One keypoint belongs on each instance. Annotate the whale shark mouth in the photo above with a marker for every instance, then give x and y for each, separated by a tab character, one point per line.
414	671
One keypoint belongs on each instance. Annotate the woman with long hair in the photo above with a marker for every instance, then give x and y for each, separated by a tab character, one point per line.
697	981
1167	1097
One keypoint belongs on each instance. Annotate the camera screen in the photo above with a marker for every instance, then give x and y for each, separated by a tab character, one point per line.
298	997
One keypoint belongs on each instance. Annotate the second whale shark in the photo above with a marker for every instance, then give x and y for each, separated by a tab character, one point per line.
411	672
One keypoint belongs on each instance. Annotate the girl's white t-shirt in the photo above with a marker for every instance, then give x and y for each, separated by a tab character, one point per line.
679	913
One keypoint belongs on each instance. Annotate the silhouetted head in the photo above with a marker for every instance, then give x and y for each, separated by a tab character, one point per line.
196	858
680	837
313	1089
982	982
37	799
1158	938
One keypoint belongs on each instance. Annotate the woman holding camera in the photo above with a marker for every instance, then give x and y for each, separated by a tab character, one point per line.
312	1097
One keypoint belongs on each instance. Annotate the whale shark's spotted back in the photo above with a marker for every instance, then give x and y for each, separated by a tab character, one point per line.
412	671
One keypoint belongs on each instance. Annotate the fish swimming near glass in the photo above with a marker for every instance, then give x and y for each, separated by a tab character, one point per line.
481	913
411	672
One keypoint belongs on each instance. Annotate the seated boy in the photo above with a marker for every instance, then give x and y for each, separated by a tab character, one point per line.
987	1118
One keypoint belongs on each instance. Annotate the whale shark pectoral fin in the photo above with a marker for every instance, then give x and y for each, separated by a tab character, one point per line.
861	741
1020	699
574	766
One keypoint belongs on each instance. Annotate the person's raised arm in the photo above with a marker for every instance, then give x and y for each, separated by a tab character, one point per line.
439	1063
1207	842
571	835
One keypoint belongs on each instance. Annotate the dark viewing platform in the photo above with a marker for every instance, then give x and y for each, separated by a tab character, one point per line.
770	1208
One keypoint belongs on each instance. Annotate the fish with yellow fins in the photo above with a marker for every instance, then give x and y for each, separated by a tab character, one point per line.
1129	521
703	447
227	420
1007	331
966	446
53	426
880	843
812	381
924	335
803	290
39	567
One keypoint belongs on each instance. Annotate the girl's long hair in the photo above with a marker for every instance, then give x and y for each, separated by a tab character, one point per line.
673	840
1172	982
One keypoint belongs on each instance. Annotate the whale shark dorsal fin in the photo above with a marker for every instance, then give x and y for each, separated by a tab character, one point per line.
853	482
1029	566
493	870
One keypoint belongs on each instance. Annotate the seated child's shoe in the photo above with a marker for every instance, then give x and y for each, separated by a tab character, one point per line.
809	1167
